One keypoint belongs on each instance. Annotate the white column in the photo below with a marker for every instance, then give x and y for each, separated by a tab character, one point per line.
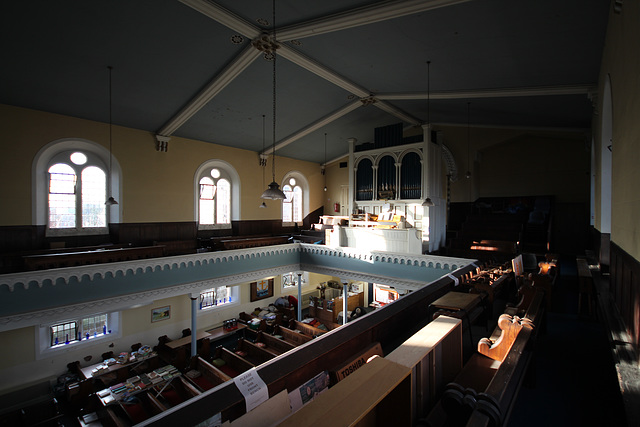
299	297
194	323
345	302
426	187
398	182
352	174
375	182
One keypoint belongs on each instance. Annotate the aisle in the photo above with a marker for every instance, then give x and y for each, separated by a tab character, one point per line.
574	381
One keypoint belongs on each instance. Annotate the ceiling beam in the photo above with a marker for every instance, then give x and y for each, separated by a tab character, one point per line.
382	11
326	73
219	82
395	111
315	126
491	93
224	17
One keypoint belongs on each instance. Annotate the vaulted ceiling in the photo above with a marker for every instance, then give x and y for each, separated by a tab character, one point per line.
197	68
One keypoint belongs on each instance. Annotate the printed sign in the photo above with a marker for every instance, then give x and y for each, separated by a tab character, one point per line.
252	387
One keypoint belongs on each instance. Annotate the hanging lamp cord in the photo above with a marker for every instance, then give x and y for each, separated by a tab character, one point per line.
428	94
263	161
468	131
110	122
273	165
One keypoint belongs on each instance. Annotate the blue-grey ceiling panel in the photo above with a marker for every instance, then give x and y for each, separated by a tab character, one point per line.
164	52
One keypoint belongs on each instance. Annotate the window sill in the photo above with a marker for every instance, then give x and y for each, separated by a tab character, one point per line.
214	226
62	232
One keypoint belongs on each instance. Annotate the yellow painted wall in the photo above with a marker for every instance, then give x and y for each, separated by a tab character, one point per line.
157	186
621	62
337	177
531	165
503	162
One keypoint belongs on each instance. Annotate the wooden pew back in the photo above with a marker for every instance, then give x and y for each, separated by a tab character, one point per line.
254	354
291	337
212	375
273	344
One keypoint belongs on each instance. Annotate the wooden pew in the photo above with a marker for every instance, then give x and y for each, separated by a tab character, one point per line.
484	391
489	284
178	390
99	256
252	353
178	247
245	318
291	337
275	345
209	376
308	330
253	242
434	355
141	407
233	364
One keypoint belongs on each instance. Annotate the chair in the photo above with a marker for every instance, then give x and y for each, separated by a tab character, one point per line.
186	332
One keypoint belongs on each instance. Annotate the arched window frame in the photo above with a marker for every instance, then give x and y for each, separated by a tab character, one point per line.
58	152
227	172
403	173
364	193
303	185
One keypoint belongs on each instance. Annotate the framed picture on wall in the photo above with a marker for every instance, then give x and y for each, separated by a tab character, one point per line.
261	289
160	313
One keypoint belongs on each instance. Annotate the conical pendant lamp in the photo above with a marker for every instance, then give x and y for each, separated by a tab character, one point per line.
111	200
273	192
428	201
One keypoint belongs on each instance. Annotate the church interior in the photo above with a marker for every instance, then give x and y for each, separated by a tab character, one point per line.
360	212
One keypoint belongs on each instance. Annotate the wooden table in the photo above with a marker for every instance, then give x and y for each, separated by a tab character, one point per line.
87	371
133	386
220	332
187	340
457	301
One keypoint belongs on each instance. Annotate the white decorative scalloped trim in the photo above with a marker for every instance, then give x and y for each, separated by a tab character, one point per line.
169	263
139	266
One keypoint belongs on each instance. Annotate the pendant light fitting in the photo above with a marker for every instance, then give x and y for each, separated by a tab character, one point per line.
263	160
468	174
111	200
273	192
428	202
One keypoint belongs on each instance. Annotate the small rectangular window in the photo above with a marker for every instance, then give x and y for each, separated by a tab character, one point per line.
79	330
290	280
215	297
64	333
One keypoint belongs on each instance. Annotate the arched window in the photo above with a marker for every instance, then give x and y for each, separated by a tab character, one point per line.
296	203
71	179
215	199
217	195
292	205
77	192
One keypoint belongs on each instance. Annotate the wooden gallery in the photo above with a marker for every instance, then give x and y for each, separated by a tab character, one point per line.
362	213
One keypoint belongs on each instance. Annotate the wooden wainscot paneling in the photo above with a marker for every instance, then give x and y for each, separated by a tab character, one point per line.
625	285
345	369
